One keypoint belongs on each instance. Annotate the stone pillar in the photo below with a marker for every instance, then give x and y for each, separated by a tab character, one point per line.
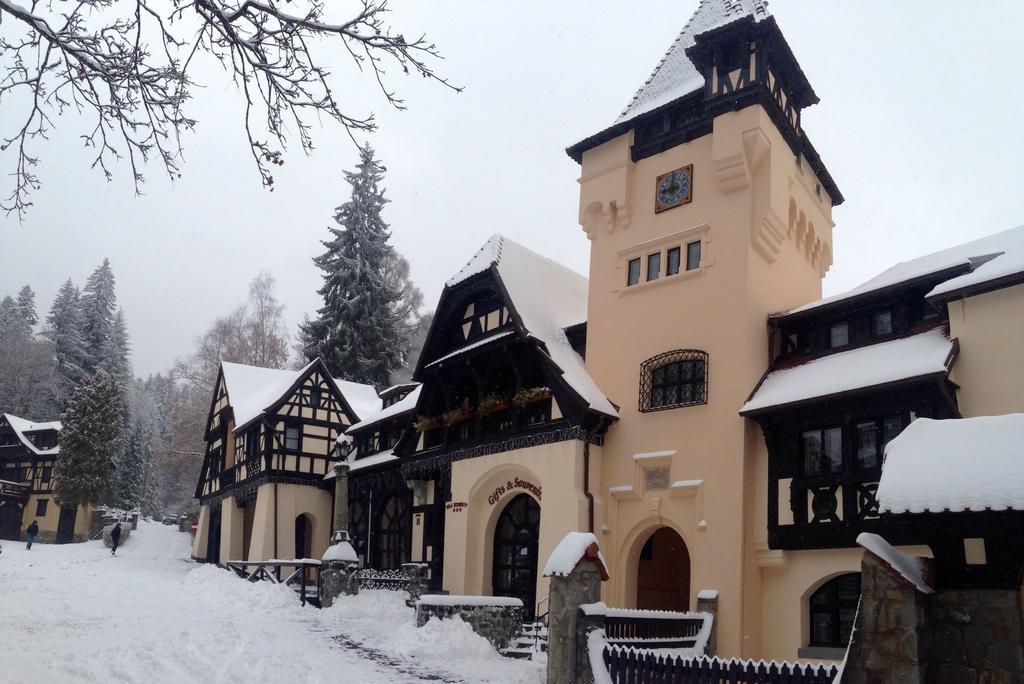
707	602
340	497
340	564
417	574
568	593
890	634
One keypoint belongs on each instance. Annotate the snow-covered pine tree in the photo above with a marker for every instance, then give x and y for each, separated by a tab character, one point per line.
98	304
361	331
90	441
64	329
27	306
115	350
133	470
12	323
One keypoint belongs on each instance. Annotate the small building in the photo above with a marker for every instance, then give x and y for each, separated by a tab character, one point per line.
270	439
28	477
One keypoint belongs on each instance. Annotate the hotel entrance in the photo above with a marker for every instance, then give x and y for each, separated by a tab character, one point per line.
515	552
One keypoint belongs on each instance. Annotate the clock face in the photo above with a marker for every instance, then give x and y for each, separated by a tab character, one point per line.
674	188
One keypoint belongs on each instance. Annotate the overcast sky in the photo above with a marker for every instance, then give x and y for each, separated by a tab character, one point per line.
919	124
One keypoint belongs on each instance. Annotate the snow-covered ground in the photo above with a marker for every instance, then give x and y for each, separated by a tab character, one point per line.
73	613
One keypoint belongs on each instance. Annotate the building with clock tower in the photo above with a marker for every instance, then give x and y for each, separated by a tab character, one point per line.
707	209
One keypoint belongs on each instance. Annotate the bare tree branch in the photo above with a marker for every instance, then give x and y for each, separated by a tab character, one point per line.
94	57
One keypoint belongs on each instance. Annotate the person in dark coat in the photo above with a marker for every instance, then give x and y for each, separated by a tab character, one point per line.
30	534
115	538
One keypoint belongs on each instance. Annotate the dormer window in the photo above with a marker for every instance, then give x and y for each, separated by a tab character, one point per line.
881	323
839	335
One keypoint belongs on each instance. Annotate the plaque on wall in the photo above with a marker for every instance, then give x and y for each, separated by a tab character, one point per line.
673	189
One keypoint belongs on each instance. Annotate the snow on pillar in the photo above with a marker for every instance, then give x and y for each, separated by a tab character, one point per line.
338	573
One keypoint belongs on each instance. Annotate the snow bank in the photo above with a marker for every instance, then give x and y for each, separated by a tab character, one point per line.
966	464
911	568
915	356
573	548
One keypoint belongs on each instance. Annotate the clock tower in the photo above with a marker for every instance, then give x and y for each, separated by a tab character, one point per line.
707	209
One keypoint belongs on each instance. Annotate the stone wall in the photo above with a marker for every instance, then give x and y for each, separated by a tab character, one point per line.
951	637
497	624
975	637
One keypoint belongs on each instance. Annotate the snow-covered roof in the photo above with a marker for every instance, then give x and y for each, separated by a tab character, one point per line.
252	390
363	399
986	259
573	548
406	403
675	76
877	364
910	568
473	345
21	426
966	464
548	298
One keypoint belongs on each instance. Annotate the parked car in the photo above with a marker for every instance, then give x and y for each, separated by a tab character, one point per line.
170	520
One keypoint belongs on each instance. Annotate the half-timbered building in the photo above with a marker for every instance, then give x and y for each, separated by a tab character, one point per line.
28	476
270	437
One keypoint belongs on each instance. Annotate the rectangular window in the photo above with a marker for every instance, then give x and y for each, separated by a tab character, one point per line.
882	323
291	438
673	258
867	445
653	266
47	474
693	256
41	507
823	451
839	335
678	384
633	272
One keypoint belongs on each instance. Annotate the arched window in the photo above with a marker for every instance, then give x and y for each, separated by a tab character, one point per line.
832	609
673	379
303	536
393	534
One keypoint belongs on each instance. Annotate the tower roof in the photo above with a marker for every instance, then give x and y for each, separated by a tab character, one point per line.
675	75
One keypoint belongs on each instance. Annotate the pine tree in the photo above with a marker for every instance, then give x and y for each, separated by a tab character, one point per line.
115	350
12	323
90	441
64	329
134	467
27	306
98	303
361	330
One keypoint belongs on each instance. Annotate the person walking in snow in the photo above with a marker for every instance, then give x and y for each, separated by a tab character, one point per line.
30	534
115	538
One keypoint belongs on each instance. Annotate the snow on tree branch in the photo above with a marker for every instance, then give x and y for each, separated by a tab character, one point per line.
124	65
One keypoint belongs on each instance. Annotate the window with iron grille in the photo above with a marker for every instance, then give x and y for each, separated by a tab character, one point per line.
673	379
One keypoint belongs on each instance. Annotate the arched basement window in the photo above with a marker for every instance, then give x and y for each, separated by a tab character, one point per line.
832	609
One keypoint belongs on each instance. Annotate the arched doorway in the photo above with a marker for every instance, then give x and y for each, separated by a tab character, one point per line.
663	572
515	552
303	536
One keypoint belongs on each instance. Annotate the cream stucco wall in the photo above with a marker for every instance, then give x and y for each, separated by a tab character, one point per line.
990	368
202	533
766	242
469	531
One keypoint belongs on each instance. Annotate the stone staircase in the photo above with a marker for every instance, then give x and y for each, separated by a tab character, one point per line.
532	639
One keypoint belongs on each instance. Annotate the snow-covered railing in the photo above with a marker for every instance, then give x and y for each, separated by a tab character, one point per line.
304	576
654	628
622	664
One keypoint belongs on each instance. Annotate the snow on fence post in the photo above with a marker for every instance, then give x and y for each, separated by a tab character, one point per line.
576	568
707	602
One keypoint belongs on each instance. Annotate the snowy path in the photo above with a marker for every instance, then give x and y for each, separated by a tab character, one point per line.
73	613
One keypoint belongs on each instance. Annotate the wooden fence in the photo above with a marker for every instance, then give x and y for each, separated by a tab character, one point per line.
303	578
636	666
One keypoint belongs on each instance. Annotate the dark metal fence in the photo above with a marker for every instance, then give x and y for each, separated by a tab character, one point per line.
636	666
669	632
392	580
